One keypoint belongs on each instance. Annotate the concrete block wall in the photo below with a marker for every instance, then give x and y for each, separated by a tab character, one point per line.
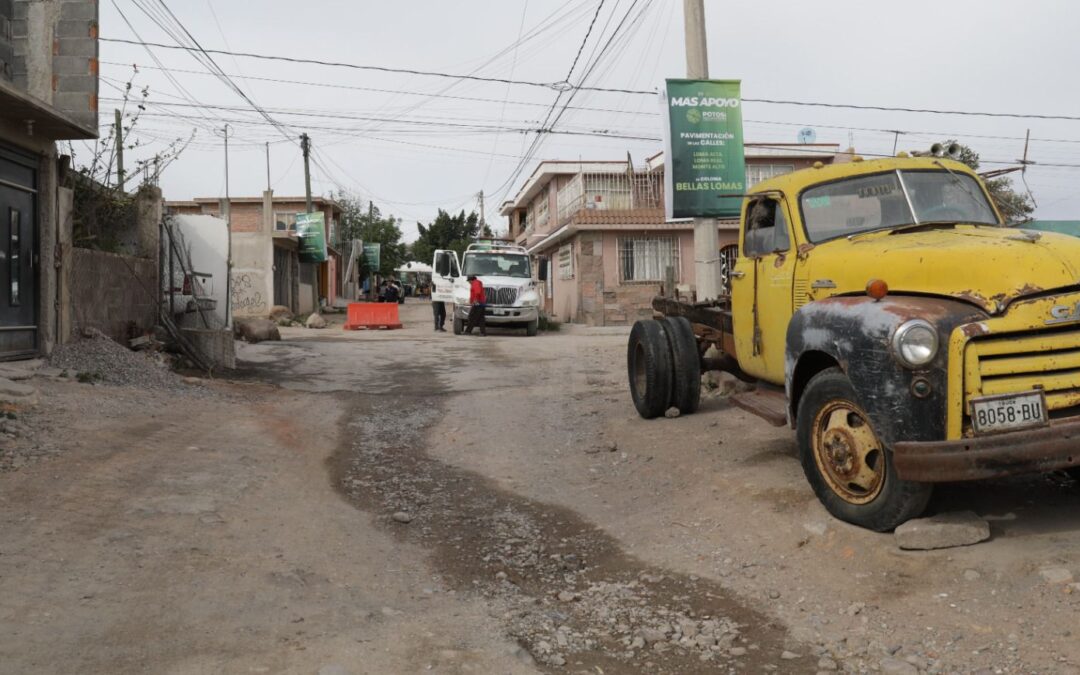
7	47
108	292
54	53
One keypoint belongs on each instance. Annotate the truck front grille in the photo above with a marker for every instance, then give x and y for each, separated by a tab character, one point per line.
500	295
1011	363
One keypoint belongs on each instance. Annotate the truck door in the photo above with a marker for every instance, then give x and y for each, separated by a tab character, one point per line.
762	288
444	270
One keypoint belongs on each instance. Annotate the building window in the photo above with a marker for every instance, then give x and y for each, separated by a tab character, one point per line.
566	261
538	209
755	173
646	259
284	222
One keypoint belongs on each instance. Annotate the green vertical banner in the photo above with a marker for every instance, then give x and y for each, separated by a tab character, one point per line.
704	135
372	256
311	230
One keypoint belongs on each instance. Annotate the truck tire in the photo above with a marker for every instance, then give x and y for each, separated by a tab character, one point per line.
648	364
685	364
850	471
532	327
459	325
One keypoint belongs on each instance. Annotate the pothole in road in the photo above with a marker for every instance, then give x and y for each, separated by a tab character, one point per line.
563	587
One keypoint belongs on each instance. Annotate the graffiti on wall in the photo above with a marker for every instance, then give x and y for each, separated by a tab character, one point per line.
247	298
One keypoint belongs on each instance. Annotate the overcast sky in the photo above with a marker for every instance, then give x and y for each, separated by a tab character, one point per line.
414	143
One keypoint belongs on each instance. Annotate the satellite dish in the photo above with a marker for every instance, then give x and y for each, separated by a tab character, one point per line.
807	135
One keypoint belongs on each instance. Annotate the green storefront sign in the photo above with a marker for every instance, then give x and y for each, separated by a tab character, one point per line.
311	231
372	256
704	137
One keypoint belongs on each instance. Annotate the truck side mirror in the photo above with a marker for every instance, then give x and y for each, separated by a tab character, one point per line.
442	265
542	270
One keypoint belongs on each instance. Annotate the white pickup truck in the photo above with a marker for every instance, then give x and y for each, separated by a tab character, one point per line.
513	299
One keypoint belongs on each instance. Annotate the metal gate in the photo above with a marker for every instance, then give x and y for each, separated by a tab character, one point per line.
18	254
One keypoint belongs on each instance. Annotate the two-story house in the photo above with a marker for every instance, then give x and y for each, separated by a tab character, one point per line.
48	92
599	227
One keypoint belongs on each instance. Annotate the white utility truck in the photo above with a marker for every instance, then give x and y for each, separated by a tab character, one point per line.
512	296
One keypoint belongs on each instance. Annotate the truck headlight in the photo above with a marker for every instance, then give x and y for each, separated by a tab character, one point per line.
530	299
915	343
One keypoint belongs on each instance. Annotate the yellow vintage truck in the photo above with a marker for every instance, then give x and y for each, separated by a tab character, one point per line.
885	312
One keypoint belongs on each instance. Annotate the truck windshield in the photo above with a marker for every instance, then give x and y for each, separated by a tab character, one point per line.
497	265
891	200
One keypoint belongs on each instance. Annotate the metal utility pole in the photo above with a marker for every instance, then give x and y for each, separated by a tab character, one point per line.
706	237
371	272
305	145
228	234
119	140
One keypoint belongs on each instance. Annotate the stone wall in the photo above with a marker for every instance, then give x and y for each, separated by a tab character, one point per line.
589	271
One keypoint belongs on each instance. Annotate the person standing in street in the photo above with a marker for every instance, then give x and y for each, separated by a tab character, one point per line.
478	305
439	310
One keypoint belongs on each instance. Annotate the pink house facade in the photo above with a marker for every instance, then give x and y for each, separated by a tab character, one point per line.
599	228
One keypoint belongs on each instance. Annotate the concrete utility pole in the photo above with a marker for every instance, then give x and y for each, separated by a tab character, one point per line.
228	234
706	237
305	145
119	140
268	166
483	219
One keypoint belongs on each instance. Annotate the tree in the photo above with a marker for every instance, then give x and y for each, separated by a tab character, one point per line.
365	221
1014	206
447	232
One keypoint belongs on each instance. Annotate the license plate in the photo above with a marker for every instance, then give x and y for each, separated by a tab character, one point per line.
1008	412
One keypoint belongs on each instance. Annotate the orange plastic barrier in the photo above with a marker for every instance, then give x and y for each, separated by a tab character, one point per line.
372	315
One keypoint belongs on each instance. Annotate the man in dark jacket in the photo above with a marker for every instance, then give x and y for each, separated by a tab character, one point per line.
478	304
439	310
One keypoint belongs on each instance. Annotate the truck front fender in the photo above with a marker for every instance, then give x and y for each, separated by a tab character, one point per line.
855	334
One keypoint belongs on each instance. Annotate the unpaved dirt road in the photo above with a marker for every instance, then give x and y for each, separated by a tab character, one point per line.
405	501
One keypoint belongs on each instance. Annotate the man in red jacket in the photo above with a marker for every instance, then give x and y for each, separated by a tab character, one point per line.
478	304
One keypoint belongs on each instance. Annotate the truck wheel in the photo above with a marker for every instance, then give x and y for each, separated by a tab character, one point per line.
685	364
532	327
648	363
850	470
459	326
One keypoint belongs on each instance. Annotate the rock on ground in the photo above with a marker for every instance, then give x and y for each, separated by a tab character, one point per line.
16	391
1056	575
315	321
280	313
945	530
256	330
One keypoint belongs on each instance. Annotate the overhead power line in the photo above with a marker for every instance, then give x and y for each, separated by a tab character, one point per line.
557	86
565	86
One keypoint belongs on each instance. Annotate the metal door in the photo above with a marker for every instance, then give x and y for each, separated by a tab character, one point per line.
281	277
18	255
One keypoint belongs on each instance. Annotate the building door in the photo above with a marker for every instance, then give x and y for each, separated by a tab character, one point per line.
282	277
18	255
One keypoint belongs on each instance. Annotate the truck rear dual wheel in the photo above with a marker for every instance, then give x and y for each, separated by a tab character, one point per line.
664	367
846	464
685	364
648	364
